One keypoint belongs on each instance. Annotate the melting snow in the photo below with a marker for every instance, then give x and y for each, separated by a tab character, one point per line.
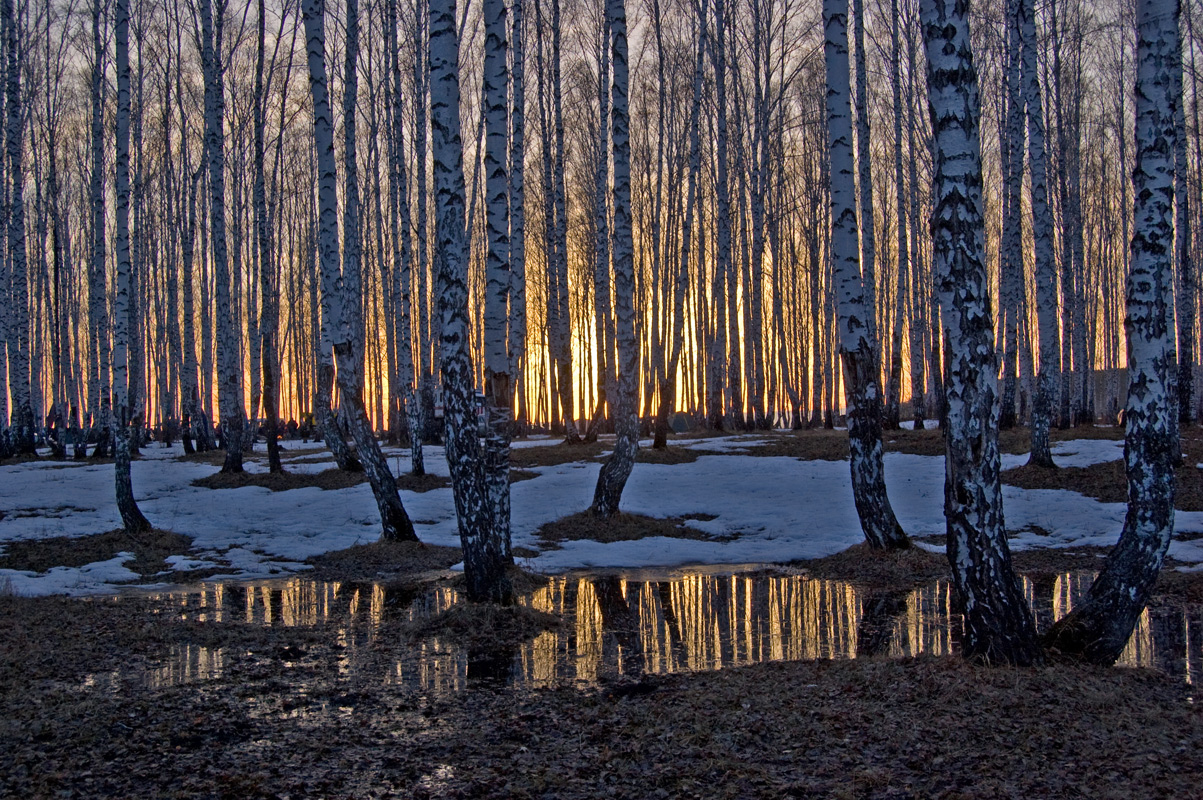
766	509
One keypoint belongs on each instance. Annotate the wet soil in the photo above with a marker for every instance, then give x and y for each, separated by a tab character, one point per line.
286	717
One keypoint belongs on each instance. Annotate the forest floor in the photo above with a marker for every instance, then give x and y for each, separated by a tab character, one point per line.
86	711
170	692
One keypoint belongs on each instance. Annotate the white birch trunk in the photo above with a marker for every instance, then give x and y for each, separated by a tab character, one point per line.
395	522
998	623
614	473
877	518
498	387
484	553
1042	236
517	210
98	385
131	516
229	383
23	422
1011	246
1098	629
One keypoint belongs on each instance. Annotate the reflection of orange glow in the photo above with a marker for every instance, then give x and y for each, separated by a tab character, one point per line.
692	622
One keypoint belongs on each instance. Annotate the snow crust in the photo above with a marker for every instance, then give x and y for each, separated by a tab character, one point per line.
765	509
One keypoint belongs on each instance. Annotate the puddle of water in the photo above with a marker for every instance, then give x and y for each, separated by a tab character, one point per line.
630	627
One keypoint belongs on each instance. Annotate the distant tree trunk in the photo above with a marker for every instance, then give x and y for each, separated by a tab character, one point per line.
267	269
562	332
131	516
602	293
517	212
229	385
614	473
1098	629
1042	236
893	413
98	386
1182	247
723	268
998	624
877	518
669	386
1011	246
915	275
484	552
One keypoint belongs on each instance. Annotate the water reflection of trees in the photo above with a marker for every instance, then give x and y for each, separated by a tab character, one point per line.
623	628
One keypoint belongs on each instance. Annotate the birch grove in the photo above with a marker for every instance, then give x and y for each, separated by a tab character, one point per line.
250	222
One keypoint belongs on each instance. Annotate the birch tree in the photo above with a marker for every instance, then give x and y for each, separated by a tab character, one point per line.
1098	629
498	388
1042	236
998	623
267	269
617	469
18	356
861	387
346	345
98	313
229	368
131	516
1011	275
484	553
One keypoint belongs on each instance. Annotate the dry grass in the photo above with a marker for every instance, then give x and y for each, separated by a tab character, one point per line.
669	455
618	528
556	454
149	549
422	483
887	570
367	562
282	481
215	457
1106	482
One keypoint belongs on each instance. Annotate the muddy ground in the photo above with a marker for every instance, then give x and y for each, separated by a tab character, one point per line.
286	719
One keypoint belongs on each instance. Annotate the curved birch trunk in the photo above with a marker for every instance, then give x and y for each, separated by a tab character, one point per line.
998	624
861	387
614	473
484	552
394	521
1098	629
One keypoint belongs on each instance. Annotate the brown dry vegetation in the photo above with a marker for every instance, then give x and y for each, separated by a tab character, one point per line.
1107	482
618	528
896	570
378	560
150	548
